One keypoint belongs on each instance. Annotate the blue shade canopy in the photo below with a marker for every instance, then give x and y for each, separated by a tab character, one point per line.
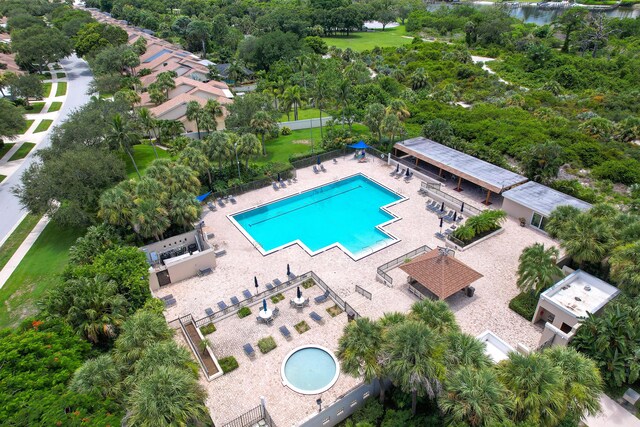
201	197
359	144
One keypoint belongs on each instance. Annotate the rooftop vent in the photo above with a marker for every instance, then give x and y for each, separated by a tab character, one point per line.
587	288
578	299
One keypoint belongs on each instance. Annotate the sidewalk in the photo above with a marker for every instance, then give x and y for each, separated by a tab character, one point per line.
612	415
15	260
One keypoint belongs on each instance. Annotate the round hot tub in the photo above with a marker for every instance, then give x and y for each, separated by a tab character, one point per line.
310	369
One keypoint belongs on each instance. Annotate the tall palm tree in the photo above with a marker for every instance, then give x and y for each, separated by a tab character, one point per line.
158	169
98	309
536	388
559	221
419	79
582	381
169	129
218	147
625	267
150	188
99	376
185	210
196	160
344	96
399	109
321	92
150	218
475	398
139	332
122	135
292	98
588	239
537	269
435	314
413	357
116	206
182	178
194	113
262	123
391	319
163	353
359	350
149	125
165	82
129	96
169	396
465	350
248	146
392	126
214	110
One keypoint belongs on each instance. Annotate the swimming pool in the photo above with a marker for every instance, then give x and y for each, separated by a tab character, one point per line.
346	213
310	369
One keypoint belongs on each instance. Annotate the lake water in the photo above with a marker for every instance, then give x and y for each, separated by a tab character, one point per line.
531	13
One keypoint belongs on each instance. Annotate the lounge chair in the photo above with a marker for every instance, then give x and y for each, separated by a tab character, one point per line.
315	169
277	282
448	217
448	231
335	161
295	179
459	219
249	351
247	294
269	286
285	332
275	185
275	312
235	301
322	168
170	302
212	207
282	184
232	200
399	174
221	202
208	311
393	172
440	236
222	305
289	182
322	298
315	316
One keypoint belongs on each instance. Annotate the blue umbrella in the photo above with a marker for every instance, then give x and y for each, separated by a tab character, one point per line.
299	292
462	207
264	305
442	207
407	174
397	167
318	160
201	197
279	179
455	215
359	145
441	224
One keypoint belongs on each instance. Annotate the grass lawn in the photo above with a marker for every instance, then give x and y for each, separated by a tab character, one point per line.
2	177
307	113
46	89
16	238
279	149
55	106
22	152
28	125
368	40
143	155
61	75
43	126
39	270
5	148
62	89
36	107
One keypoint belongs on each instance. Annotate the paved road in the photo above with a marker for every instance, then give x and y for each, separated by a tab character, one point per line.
79	77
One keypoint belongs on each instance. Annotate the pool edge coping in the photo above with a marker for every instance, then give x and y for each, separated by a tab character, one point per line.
331	383
384	208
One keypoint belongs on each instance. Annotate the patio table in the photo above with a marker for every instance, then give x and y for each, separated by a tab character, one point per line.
266	315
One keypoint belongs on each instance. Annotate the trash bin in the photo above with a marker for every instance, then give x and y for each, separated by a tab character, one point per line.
470	291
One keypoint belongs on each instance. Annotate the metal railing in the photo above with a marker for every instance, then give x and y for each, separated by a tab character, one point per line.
470	210
415	168
313	158
363	292
252	417
382	270
253	185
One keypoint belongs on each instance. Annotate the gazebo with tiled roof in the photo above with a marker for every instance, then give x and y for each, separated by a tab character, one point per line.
438	273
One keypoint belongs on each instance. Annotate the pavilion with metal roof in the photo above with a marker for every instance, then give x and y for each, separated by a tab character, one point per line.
489	176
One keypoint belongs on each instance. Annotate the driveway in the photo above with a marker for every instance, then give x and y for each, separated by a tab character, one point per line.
78	77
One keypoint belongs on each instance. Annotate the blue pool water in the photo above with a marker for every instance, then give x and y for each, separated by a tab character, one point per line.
345	212
310	369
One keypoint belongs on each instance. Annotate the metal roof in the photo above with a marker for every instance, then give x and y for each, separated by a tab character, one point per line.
472	169
542	199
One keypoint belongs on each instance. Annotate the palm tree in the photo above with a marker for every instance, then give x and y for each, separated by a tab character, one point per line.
163	353
559	221
214	110
196	160
475	398
391	126
121	135
465	350
168	396
150	188
582	381
536	388
165	82
588	239
99	376
194	113
435	314
149	125
399	109
373	117
248	146
98	309
142	330
292	97
320	94
359	351
390	319
235	72
182	178
344	96
262	123
413	357
130	97
150	219
158	169
218	147
625	267
169	129
185	210
419	79
537	269
116	206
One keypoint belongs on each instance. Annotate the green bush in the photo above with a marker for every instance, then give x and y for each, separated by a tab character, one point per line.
208	329
285	130
301	327
464	233
308	283
371	412
228	364
524	304
244	312
277	298
625	171
266	345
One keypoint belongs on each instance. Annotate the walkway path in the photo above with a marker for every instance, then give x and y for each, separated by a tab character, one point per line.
78	77
612	415
22	250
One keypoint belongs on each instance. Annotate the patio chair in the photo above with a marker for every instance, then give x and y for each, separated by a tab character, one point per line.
221	202
275	312
448	231
315	169
459	219
235	301
249	351
315	316
277	282
322	298
440	236
285	332
282	184
306	302
212	207
292	303
269	286
289	182
170	303
232	200
222	305
335	161
247	294
275	185
393	172
208	311
295	179
322	168
399	174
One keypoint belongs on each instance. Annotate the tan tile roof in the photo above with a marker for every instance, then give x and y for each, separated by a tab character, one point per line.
175	102
443	275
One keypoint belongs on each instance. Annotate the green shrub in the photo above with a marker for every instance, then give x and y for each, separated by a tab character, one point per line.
277	298
244	312
308	283
228	364
625	171
371	412
285	130
208	329
524	304
302	327
334	311
465	233
266	345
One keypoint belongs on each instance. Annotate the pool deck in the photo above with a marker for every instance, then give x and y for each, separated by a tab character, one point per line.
235	393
